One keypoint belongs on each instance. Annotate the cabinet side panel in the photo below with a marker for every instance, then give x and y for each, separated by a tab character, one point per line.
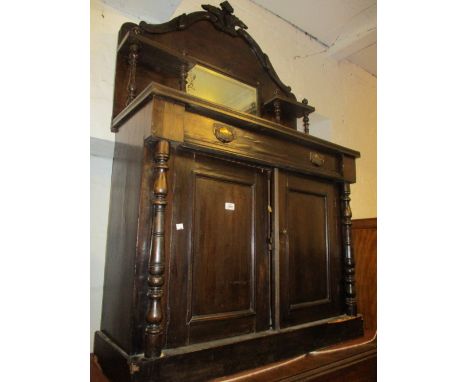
119	292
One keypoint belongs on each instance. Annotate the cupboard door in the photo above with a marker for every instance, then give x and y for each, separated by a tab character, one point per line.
309	253
219	272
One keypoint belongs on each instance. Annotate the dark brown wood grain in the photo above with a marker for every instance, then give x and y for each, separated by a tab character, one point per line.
357	364
132	63
365	253
220	255
287	108
223	357
349	365
156	270
198	131
348	256
230	116
197	37
129	205
309	252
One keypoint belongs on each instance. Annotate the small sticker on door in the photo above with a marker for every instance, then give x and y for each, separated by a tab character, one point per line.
179	226
229	206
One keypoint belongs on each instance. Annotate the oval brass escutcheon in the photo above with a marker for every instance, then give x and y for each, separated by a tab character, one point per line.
224	133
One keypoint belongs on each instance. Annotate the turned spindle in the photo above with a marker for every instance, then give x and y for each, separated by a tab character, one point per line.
305	118
155	315
349	281
132	62
183	77
277	108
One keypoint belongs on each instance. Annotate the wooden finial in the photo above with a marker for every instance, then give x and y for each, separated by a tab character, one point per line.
132	61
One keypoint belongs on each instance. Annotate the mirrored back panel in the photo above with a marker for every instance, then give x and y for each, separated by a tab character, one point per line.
218	88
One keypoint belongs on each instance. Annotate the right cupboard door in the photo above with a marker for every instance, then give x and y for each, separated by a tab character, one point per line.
309	249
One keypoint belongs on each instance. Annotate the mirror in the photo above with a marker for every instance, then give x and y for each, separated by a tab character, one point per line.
218	88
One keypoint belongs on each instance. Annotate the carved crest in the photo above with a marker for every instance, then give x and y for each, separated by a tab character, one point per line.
223	19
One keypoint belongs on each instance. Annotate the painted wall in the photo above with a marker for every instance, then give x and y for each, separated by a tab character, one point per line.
344	95
101	169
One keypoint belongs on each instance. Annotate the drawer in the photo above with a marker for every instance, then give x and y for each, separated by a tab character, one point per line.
212	135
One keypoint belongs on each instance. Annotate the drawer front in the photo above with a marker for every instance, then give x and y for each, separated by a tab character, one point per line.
205	132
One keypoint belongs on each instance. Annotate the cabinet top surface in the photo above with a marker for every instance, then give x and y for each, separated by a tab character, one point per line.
224	114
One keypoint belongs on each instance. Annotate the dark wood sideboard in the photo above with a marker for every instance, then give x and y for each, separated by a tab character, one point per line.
229	240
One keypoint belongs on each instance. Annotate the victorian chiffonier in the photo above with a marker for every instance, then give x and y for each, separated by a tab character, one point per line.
229	241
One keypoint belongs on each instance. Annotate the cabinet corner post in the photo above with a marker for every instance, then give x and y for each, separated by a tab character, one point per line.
349	280
154	316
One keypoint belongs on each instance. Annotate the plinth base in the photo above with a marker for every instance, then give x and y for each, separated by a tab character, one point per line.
203	361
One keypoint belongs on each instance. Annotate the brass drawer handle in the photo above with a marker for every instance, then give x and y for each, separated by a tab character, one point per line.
317	159
224	133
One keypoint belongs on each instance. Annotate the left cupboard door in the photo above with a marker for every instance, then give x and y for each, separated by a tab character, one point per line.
219	276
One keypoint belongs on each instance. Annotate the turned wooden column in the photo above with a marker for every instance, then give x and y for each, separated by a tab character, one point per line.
277	108
155	314
349	281
183	77
132	62
305	117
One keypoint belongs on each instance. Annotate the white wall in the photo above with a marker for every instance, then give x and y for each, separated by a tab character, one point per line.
101	170
342	92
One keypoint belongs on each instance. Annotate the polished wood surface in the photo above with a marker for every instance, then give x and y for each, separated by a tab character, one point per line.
201	362
365	252
309	249
224	275
226	115
156	270
198	40
129	218
349	263
198	132
354	364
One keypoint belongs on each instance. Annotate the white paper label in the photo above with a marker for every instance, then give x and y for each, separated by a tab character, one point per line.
179	226
229	206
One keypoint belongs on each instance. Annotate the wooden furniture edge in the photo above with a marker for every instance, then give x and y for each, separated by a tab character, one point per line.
339	364
217	111
288	343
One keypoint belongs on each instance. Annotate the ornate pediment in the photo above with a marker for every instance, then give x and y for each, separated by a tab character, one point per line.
223	19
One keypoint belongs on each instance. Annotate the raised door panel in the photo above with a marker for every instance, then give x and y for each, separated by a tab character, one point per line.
309	254
219	267
222	234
